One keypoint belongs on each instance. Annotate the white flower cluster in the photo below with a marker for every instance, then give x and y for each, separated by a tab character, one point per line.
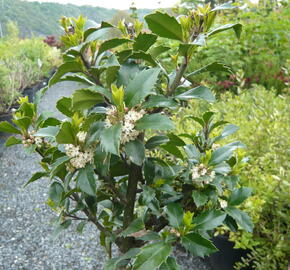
78	157
129	133
200	172
31	139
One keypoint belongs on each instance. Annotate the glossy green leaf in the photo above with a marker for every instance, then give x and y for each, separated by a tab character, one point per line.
200	92
64	105
156	141
209	220
223	153
164	25
110	139
113	264
67	67
12	141
174	212
135	226
9	128
170	264
155	121
144	41
85	99
199	198
66	134
135	151
24	122
86	181
47	132
112	43
160	101
212	67
156	51
77	78
197	245
239	195
35	177
237	27
141	86
56	191
241	218
152	256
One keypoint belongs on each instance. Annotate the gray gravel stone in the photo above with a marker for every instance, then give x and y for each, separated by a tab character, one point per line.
26	221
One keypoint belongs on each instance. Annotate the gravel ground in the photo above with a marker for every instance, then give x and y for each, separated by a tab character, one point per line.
25	220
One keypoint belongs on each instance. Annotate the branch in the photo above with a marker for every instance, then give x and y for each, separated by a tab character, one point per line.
135	175
178	77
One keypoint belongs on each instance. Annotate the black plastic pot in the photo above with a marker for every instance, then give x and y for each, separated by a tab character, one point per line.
227	256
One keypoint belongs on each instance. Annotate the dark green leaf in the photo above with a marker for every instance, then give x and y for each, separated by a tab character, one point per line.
192	152
9	128
81	226
160	101
152	256
113	264
135	151
56	191
86	181
239	195
175	214
47	132
141	86
237	27
60	227
155	121
110	139
200	92
156	141
66	134
156	51
212	67
172	149
64	105
12	141
241	218
144	56
23	122
112	43
144	41
67	67
209	220
197	245
170	264
135	226
77	78
164	25
199	198
85	99
35	177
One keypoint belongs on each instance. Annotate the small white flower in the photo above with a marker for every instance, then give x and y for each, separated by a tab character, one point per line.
215	146
82	136
223	203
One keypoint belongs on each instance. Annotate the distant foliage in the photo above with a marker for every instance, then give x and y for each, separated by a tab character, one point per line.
23	62
42	19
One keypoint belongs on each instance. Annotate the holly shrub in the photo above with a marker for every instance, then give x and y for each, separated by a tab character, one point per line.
115	160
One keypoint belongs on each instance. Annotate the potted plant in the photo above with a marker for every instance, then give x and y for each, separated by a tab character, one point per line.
115	160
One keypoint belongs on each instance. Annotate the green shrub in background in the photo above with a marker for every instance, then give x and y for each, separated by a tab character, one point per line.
264	121
259	57
23	62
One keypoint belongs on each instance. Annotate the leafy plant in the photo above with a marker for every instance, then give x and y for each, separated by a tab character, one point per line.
266	172
116	162
23	62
